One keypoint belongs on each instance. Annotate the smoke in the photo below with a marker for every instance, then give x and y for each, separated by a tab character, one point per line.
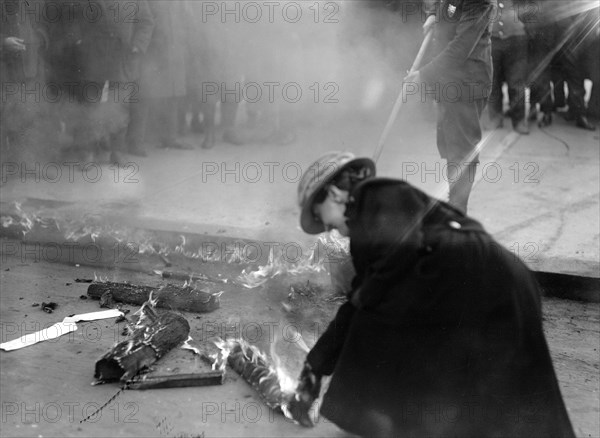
289	63
317	59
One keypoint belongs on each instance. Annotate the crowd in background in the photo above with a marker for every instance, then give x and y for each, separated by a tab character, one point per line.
114	76
550	47
117	77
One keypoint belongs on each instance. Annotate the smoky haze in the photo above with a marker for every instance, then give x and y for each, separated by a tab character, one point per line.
289	63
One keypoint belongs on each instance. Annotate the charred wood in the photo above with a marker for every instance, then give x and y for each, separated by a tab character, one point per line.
152	337
249	363
169	296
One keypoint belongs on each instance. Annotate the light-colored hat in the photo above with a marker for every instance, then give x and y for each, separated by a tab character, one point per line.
317	176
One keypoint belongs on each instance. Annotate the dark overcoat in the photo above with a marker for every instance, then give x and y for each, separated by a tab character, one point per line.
442	335
23	19
109	32
164	66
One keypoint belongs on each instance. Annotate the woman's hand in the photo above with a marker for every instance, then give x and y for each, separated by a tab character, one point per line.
307	391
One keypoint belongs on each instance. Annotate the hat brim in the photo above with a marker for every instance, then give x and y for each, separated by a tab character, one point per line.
307	218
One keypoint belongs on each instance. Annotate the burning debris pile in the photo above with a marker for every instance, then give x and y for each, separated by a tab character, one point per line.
133	361
302	295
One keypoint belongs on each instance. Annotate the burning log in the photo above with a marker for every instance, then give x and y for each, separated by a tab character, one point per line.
169	296
254	367
151	338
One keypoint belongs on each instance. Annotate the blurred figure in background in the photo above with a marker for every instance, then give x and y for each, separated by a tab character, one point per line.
557	32
111	50
63	71
162	82
509	55
270	116
558	89
593	68
23	42
213	68
542	37
570	61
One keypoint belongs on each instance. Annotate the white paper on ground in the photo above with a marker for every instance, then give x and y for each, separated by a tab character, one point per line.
93	316
68	325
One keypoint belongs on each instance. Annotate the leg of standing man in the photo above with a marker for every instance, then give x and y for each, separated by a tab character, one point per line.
458	133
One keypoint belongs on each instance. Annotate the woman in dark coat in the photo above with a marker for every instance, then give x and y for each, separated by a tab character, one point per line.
442	331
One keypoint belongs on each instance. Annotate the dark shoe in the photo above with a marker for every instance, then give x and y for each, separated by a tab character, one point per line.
521	127
209	141
583	122
115	158
197	126
137	151
546	120
231	136
533	115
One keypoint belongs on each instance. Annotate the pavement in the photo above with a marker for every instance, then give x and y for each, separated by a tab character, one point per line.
46	387
538	194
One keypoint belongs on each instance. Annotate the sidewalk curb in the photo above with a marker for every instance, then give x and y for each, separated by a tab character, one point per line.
198	246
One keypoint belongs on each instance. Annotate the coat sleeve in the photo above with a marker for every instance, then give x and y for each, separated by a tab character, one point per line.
323	356
474	20
144	26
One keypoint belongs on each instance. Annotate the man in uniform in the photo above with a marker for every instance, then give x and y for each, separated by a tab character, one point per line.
460	76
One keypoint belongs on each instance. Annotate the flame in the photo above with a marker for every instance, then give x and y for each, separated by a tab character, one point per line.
277	374
152	300
220	358
286	381
94	227
187	346
311	263
334	240
25	220
7	221
147	314
100	279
